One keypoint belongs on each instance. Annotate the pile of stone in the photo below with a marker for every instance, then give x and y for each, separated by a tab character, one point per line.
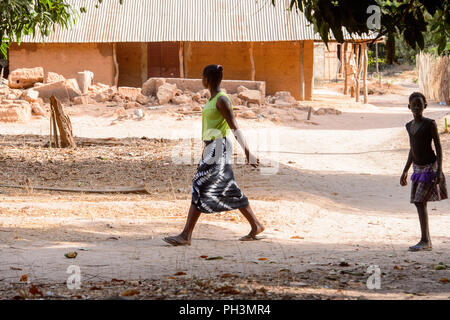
29	91
17	105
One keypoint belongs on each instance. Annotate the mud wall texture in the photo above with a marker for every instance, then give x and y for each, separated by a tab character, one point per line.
276	63
66	59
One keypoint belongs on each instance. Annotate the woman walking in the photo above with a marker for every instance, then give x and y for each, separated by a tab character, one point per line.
214	188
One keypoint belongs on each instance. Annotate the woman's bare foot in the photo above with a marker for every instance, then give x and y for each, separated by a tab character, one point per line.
253	234
421	246
179	240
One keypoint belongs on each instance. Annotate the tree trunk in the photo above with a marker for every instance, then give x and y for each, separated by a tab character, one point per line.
64	124
358	72
390	48
344	60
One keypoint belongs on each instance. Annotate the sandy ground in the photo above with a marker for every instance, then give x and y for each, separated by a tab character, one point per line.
327	192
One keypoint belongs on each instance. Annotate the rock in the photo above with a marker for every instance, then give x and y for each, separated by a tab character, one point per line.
117	98
38	84
166	92
31	95
131	105
251	96
196	97
72	88
25	77
182	99
320	112
98	88
281	97
58	89
197	108
253	105
248	115
120	112
139	113
4	91
53	77
205	94
323	111
84	80
235	100
11	96
100	97
129	93
151	86
82	100
36	109
241	89
142	99
15	113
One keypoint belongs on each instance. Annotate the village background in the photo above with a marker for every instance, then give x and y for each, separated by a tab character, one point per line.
333	208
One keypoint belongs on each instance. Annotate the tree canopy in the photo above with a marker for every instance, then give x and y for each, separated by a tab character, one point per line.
406	18
24	17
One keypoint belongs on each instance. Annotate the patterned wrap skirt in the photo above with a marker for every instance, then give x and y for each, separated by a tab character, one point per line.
423	188
214	188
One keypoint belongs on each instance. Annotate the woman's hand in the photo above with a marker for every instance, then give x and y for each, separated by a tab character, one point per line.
252	160
403	178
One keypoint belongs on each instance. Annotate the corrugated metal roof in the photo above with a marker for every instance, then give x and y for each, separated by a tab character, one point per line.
184	20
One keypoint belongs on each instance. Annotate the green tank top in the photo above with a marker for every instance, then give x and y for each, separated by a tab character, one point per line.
214	125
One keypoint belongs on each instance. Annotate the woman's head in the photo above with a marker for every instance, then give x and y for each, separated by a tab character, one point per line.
212	75
417	103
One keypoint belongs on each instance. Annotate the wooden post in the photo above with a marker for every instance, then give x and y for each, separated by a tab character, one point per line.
55	130
116	65
302	75
345	68
252	61
181	59
365	64
64	124
352	70
358	72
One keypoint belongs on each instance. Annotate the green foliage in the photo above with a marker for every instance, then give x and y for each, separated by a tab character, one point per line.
27	17
406	18
371	61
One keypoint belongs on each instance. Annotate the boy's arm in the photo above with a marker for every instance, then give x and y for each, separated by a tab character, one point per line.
224	106
403	181
408	162
438	147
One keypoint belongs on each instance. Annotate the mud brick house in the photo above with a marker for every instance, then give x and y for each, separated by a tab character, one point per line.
126	44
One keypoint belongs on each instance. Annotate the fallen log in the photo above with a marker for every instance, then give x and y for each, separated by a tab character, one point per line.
136	189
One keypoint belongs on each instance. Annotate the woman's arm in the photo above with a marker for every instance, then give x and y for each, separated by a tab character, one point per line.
224	106
438	147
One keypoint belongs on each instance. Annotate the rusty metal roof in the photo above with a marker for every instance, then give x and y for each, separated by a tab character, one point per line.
183	20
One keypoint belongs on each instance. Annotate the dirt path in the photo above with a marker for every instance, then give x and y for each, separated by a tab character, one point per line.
328	194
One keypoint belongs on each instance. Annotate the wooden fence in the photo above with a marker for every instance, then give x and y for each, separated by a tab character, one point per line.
433	76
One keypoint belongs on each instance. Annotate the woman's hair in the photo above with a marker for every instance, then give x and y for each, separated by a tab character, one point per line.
415	95
213	73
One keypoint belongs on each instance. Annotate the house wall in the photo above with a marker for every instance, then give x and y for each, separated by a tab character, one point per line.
132	60
66	59
276	63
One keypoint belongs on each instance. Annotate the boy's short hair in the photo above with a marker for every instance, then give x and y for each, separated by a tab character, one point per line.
418	95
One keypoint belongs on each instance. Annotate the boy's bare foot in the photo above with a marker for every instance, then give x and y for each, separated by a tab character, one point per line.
177	241
253	234
421	246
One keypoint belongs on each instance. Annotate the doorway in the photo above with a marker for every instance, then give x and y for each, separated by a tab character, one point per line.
163	60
